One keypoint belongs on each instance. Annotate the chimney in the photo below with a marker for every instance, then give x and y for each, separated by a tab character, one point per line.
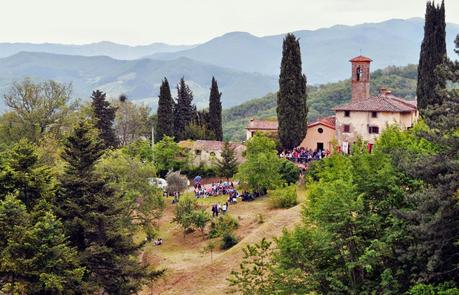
383	91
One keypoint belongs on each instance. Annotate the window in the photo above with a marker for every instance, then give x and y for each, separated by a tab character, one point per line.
374	114
198	152
320	130
347	113
346	128
373	130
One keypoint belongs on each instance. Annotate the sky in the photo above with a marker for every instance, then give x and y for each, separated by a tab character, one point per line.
138	22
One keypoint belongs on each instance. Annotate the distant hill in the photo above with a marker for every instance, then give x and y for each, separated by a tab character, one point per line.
114	50
139	79
321	99
325	52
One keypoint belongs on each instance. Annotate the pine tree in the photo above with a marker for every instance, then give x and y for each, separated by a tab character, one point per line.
227	166
433	54
24	176
104	116
215	111
291	99
35	256
96	219
184	110
165	113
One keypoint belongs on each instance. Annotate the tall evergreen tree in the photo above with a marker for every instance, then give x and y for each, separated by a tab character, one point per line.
435	222
292	109
94	218
184	110
215	110
433	54
227	166
104	116
165	113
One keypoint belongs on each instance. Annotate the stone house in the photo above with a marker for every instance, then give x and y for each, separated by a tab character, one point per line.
207	152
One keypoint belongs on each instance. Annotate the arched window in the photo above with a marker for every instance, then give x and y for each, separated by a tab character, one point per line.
359	73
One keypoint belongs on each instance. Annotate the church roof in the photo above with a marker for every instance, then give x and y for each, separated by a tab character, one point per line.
262	124
380	103
327	121
361	58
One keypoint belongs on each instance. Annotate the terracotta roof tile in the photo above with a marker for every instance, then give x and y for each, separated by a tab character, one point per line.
262	124
361	58
327	121
380	103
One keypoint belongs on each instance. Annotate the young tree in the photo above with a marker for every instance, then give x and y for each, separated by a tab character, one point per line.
132	121
94	217
227	165
168	156
184	109
433	54
210	248
131	179
260	171
165	124
176	182
38	108
292	109
200	219
184	212
215	111
104	117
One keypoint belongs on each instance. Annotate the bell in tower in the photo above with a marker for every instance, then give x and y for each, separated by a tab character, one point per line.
360	78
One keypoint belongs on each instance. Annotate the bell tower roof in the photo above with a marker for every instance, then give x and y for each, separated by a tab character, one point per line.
361	58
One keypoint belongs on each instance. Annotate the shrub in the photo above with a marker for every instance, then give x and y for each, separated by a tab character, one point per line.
289	172
284	197
228	241
224	224
201	170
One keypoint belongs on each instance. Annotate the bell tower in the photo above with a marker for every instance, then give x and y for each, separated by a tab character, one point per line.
360	78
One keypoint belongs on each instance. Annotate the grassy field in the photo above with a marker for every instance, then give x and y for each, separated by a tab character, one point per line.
189	270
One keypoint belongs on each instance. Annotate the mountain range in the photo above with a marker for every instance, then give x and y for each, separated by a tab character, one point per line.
138	79
246	66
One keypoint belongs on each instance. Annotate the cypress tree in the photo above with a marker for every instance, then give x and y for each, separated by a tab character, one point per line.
435	222
433	53
165	113
104	116
96	219
184	110
215	111
291	99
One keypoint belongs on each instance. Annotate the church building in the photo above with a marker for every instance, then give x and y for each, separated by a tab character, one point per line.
366	116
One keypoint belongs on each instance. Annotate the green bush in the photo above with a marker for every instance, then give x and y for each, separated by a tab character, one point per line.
284	197
289	172
228	241
224	224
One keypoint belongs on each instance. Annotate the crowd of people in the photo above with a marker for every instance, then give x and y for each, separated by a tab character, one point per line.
215	189
302	155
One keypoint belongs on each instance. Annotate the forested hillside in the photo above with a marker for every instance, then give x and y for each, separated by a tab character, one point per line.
321	99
